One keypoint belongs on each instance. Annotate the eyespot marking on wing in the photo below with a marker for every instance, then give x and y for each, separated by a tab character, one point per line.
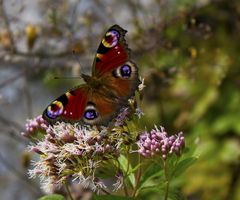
91	115
125	71
55	109
111	39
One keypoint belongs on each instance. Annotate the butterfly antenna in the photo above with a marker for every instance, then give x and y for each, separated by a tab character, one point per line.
74	53
78	77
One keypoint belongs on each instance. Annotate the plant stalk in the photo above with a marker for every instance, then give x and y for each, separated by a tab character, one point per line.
138	176
167	180
68	192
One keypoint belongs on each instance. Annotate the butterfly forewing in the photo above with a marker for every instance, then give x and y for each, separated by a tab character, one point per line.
112	51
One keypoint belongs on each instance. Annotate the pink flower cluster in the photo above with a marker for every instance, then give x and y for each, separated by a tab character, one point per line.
35	124
72	152
158	142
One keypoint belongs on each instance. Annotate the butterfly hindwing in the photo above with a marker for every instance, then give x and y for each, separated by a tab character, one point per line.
101	108
68	107
122	81
81	105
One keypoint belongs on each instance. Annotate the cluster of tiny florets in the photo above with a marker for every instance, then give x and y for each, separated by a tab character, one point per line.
34	125
158	142
75	151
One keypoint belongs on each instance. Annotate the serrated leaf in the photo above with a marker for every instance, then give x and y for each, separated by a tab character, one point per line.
111	197
53	197
183	165
126	167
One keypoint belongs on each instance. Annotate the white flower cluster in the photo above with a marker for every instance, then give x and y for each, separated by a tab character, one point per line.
74	152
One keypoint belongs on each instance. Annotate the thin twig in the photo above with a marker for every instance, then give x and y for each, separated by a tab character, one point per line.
28	98
105	191
68	191
73	17
124	184
20	61
109	14
12	79
138	176
125	189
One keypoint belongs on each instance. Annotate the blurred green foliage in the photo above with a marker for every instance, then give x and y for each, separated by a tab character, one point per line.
202	96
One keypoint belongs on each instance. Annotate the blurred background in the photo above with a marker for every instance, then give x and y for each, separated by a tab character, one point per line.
187	51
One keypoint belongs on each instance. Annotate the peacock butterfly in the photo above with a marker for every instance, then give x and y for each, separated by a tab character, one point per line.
114	80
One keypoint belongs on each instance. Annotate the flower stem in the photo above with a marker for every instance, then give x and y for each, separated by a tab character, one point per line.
124	181
105	191
68	191
166	192
138	176
125	189
167	180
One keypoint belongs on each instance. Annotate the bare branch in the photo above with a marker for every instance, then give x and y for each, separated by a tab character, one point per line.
12	79
36	62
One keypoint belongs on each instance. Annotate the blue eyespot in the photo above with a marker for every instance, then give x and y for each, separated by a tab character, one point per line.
125	71
55	109
115	33
111	39
90	114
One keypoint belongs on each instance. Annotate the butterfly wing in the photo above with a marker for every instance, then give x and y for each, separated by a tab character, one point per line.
116	77
81	104
112	51
114	66
68	107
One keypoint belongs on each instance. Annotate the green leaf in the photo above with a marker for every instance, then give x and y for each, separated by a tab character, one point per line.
126	167
110	197
53	197
135	168
158	190
147	179
175	194
151	172
183	165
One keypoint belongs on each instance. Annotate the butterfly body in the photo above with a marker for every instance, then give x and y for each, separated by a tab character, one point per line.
114	80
